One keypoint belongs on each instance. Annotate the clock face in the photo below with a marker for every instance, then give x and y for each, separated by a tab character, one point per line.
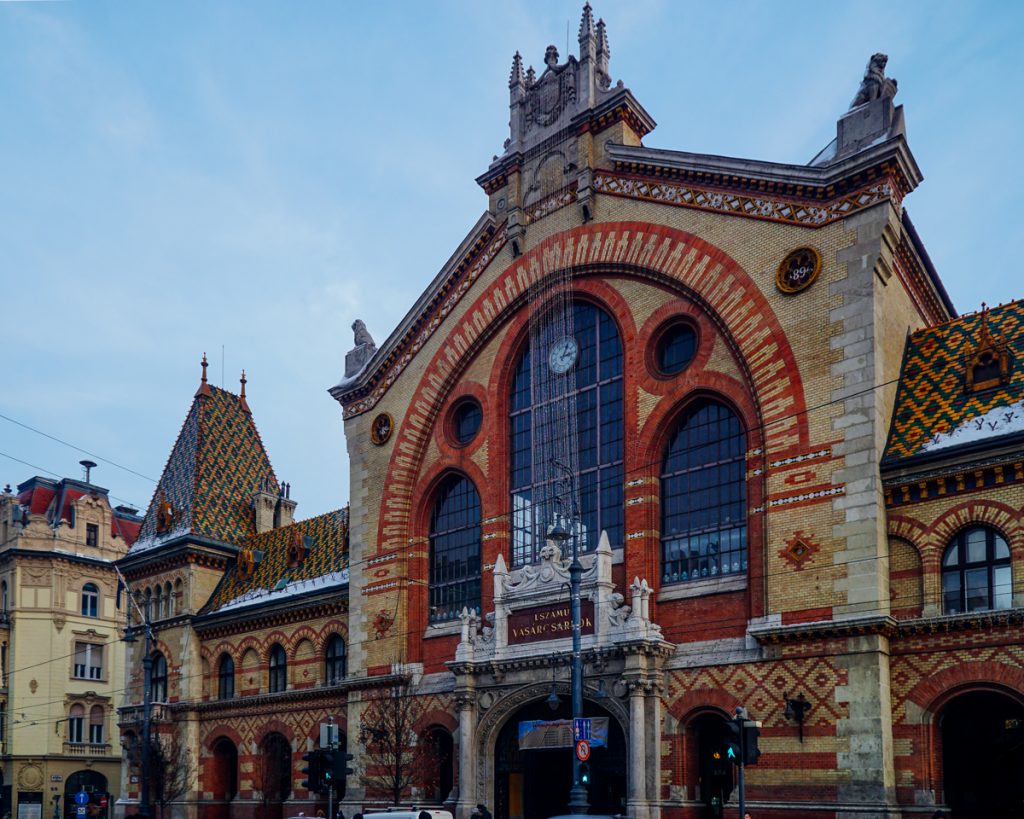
563	355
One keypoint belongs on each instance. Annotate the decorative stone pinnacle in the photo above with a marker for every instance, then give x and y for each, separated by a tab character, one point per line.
205	364
516	76
586	23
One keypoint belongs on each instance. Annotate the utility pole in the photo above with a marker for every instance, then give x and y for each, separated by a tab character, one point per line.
147	697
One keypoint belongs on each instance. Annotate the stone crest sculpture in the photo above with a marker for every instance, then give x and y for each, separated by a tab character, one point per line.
356	358
875	84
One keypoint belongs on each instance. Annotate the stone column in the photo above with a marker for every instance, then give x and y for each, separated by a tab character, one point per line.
653	727
466	803
636	800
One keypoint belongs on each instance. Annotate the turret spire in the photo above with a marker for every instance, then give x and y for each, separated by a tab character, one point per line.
586	25
604	53
241	396
204	388
516	78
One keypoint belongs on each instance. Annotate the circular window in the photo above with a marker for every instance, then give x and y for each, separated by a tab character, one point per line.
466	420
676	348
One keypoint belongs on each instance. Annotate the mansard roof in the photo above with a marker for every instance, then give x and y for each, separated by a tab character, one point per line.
303	558
54	498
215	468
939	412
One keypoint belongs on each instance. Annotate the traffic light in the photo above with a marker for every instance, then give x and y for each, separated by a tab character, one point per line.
733	746
750	750
313	772
327	769
342	767
584	773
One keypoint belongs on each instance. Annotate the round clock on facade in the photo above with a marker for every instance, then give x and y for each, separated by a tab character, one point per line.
798	270
381	428
563	355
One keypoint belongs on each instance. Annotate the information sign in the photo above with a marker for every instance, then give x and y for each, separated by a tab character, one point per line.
81	798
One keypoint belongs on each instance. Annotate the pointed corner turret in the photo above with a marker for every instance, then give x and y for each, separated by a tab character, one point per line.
241	396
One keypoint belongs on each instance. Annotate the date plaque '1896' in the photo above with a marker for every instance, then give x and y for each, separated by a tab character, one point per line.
548	622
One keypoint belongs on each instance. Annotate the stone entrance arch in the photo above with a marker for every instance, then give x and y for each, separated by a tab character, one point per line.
497	716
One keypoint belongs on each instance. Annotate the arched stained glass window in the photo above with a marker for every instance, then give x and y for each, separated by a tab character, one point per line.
558	392
455	550
704	496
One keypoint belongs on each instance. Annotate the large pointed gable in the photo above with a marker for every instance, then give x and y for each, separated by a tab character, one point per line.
216	466
303	558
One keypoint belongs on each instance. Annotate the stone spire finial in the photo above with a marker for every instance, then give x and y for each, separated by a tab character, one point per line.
604	53
586	24
241	395
204	388
516	77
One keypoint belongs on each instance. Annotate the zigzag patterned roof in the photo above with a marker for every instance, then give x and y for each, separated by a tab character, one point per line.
278	575
934	410
215	467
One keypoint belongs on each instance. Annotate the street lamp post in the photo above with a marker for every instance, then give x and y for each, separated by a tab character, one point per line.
559	533
147	706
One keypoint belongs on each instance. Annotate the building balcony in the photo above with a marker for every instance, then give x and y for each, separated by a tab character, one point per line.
131	715
87	749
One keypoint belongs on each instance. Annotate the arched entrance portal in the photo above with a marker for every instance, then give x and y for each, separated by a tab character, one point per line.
714	771
534	783
223	783
95	785
273	775
983	755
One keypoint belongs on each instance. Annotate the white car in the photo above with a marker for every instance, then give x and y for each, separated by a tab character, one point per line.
401	813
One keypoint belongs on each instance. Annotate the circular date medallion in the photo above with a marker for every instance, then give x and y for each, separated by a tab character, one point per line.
798	270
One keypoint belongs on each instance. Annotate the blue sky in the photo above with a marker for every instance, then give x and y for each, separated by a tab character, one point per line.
175	177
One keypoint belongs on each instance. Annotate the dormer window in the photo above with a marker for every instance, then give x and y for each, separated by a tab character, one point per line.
987	365
92	535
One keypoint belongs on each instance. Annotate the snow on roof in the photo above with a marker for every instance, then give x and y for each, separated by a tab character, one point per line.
256	597
998	421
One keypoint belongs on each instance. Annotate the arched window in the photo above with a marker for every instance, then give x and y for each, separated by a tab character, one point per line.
704	496
560	387
168	599
225	677
278	669
976	573
76	724
455	550
335	660
96	716
4	602
158	678
158	603
90	600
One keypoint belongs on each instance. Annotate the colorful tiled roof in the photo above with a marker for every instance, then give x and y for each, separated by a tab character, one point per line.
215	468
934	409
321	544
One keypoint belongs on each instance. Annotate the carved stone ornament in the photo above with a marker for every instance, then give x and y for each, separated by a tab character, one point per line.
798	270
58	621
875	84
33	685
381	429
30	777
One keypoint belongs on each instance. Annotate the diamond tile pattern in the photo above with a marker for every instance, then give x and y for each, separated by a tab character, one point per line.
326	537
214	469
931	398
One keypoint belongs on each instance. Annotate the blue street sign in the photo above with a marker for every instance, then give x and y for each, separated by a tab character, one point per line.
81	798
581	728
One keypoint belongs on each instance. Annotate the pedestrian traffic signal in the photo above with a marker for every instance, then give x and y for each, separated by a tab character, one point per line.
750	750
733	746
584	773
327	768
313	771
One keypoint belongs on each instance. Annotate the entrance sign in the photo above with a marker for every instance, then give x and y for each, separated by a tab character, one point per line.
537	734
548	622
583	750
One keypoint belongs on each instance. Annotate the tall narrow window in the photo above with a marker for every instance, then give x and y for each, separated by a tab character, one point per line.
335	660
225	677
158	678
88	661
278	669
76	724
455	550
564	385
976	574
704	496
4	603
90	600
96	725
92	535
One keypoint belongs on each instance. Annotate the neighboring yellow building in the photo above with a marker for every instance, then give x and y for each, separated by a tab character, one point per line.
62	661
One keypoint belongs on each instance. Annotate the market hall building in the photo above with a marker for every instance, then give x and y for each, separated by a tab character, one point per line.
793	470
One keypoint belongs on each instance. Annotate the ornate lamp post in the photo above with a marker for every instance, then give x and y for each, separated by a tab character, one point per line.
560	533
